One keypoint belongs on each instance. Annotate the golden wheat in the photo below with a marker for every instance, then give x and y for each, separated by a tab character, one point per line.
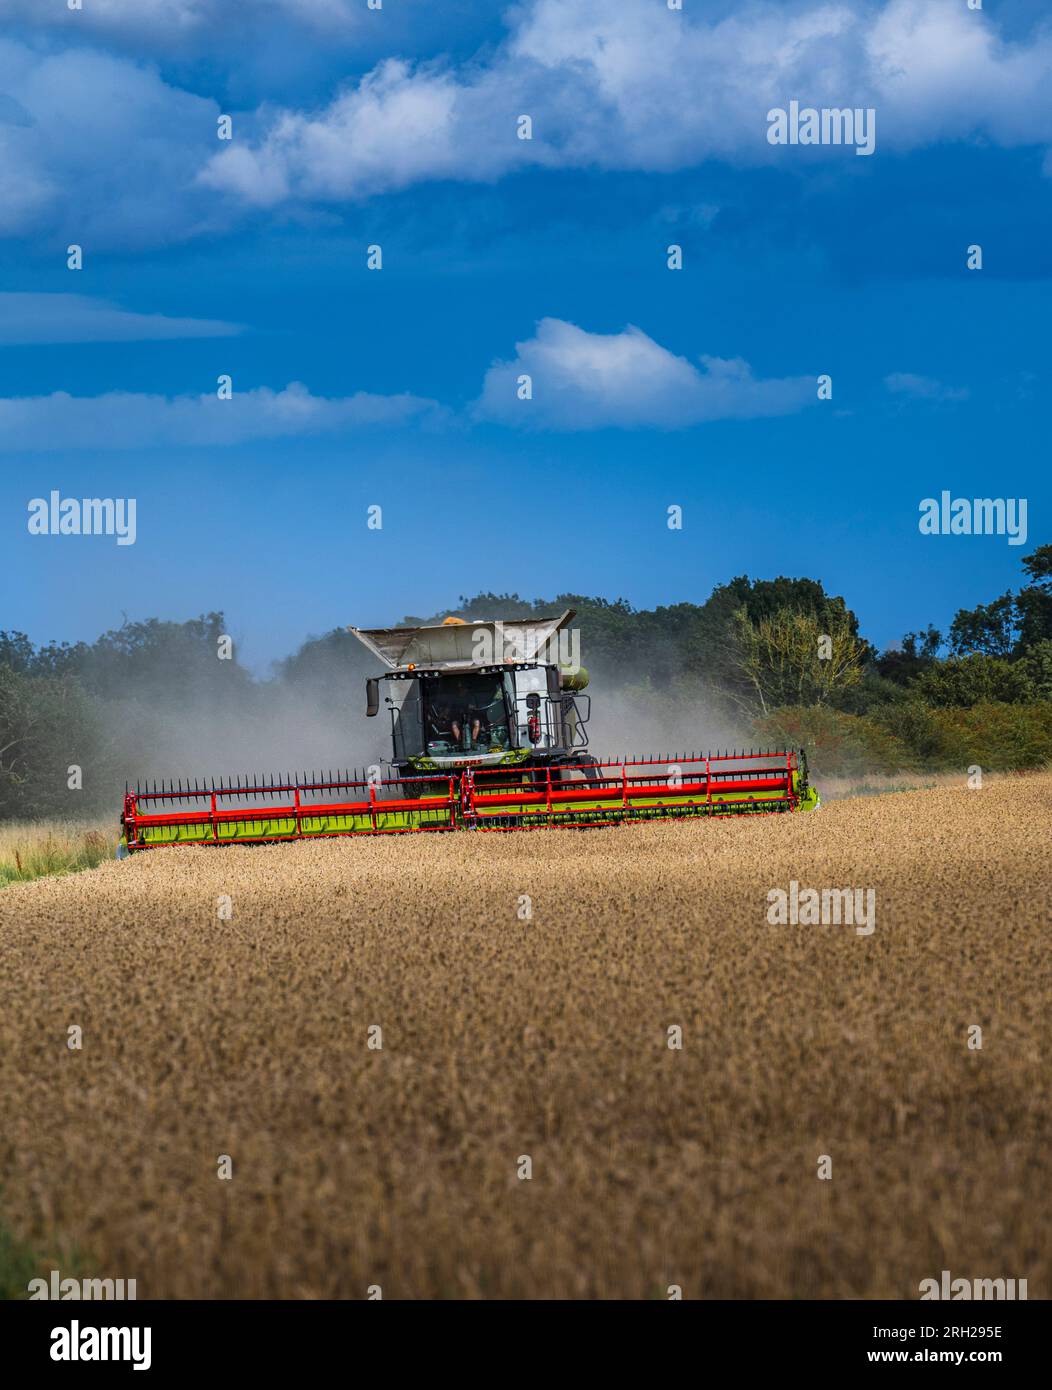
547	1038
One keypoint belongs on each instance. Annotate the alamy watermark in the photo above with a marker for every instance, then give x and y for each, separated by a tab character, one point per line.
507	642
811	907
57	1288
56	515
78	1343
958	1289
826	125
979	516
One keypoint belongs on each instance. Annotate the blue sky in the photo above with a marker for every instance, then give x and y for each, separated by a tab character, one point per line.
396	387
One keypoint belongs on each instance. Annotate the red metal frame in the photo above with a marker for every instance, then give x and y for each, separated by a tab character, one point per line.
611	782
136	821
486	798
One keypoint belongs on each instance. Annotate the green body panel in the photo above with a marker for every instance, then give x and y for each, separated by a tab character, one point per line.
402	817
810	801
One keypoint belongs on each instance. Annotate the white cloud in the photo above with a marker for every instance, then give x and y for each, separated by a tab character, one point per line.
633	85
101	148
581	381
923	388
26	191
943	71
125	420
77	318
170	20
103	15
584	381
395	127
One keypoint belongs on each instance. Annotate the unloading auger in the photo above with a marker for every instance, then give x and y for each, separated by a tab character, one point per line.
489	732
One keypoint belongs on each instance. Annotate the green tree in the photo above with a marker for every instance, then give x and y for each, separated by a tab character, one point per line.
17	652
1038	665
1034	603
47	724
785	658
684	644
915	653
974	679
1013	623
991	628
164	661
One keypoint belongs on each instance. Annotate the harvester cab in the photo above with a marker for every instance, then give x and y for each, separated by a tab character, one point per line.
481	695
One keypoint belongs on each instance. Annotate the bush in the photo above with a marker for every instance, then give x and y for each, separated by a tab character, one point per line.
976	679
913	737
999	737
1038	663
836	744
873	691
919	728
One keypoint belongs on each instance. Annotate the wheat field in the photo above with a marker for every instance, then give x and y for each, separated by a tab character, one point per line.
515	1031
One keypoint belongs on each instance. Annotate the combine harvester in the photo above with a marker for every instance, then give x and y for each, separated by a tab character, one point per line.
489	732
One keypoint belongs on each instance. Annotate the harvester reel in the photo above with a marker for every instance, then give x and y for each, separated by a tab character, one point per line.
580	792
